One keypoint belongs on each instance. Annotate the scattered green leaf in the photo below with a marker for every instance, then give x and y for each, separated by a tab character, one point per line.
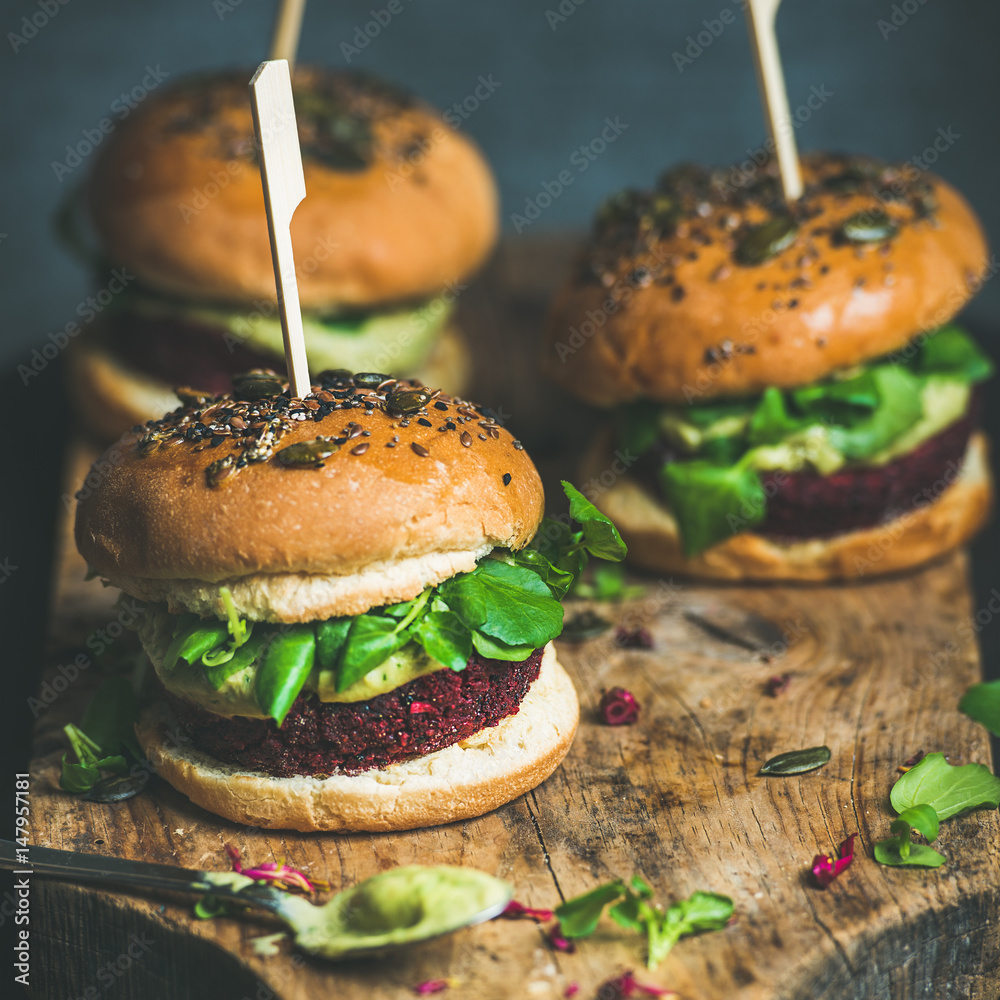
948	790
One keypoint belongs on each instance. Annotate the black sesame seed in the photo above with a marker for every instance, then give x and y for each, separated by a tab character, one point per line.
506	479
424	422
451	425
441	406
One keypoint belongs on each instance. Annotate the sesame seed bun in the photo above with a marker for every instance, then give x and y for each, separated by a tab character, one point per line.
927	531
398	203
207	495
467	779
669	303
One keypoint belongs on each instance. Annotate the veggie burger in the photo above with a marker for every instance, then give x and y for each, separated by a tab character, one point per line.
402	208
347	606
791	399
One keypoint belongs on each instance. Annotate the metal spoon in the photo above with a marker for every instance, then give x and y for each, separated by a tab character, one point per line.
394	908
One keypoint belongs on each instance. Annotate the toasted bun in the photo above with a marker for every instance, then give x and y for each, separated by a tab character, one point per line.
467	779
661	308
170	506
112	398
398	204
909	540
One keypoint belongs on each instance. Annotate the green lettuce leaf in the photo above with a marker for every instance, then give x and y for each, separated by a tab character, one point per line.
951	351
948	790
712	502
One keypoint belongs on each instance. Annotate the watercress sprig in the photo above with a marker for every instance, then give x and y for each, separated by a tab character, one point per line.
631	907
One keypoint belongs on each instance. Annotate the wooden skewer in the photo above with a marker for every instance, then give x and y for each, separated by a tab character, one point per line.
284	188
771	80
287	28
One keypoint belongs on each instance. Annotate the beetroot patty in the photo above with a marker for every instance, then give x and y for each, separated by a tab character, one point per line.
807	505
320	738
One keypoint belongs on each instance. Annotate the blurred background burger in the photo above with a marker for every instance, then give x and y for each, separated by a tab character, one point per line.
400	210
791	397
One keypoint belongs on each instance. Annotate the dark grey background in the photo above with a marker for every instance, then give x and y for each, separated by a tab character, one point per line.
939	70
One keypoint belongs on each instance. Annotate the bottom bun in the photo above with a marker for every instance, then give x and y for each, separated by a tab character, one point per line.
922	533
468	779
112	398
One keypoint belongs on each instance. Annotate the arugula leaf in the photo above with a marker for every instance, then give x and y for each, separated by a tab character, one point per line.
445	637
712	502
946	789
951	351
578	917
600	536
330	638
286	665
981	703
839	398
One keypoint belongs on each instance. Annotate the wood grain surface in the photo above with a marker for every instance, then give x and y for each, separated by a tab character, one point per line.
876	669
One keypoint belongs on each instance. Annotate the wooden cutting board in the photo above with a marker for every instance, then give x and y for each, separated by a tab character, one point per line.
876	670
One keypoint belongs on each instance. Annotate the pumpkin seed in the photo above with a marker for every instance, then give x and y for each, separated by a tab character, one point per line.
765	241
868	227
220	471
797	761
304	454
407	400
370	380
256	385
117	788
